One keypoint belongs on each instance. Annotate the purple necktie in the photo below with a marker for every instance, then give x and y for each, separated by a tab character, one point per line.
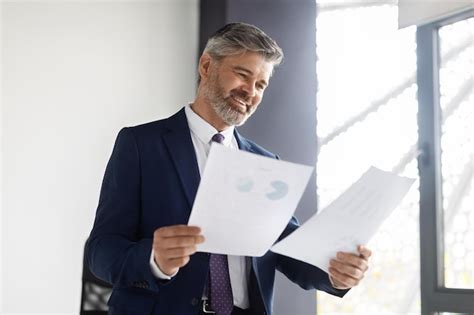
220	289
218	137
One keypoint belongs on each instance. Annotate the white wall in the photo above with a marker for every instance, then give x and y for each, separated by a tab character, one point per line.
73	74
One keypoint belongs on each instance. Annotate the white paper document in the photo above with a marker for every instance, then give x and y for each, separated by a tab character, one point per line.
245	200
350	220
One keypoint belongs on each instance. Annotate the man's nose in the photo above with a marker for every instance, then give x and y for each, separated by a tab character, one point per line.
250	89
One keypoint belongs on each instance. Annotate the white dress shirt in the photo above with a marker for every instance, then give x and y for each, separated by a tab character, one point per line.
201	134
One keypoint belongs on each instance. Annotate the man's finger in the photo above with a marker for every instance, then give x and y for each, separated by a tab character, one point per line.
179	252
349	270
178	242
364	251
177	230
348	282
354	260
179	262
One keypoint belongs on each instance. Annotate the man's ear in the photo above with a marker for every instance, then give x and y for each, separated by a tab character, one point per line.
204	65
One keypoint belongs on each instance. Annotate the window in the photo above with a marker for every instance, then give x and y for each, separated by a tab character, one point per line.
445	84
457	150
367	115
368	80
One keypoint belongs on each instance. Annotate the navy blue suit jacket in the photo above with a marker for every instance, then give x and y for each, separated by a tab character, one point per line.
150	182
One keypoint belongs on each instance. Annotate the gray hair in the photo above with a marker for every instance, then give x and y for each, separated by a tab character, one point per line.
236	38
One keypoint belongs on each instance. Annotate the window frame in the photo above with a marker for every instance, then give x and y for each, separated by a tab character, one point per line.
435	296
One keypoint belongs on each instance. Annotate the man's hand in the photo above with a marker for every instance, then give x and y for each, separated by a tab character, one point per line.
346	270
173	246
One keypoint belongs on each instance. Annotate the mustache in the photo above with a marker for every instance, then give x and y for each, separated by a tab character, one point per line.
241	95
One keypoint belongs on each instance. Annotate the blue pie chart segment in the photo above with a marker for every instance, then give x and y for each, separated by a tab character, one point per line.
280	190
244	184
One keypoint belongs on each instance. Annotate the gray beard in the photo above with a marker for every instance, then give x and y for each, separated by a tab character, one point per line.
229	116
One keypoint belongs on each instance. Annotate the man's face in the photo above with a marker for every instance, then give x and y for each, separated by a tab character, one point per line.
235	86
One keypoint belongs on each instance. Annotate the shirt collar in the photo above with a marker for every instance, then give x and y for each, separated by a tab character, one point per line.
203	130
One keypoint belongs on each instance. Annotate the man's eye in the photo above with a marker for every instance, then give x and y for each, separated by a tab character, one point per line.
243	75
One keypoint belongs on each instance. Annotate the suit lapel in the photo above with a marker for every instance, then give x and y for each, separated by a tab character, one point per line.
180	146
242	142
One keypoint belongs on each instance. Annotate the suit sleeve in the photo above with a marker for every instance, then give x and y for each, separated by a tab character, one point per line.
115	251
303	274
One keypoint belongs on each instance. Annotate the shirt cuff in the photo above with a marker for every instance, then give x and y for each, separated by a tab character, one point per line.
156	271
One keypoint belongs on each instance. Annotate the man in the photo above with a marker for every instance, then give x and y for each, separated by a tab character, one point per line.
140	241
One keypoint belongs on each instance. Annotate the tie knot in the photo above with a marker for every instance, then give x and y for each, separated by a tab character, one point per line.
219	138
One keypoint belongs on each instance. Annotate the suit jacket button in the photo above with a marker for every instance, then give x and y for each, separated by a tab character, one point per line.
194	301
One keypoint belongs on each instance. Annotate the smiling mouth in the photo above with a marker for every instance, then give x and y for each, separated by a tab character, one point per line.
239	104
